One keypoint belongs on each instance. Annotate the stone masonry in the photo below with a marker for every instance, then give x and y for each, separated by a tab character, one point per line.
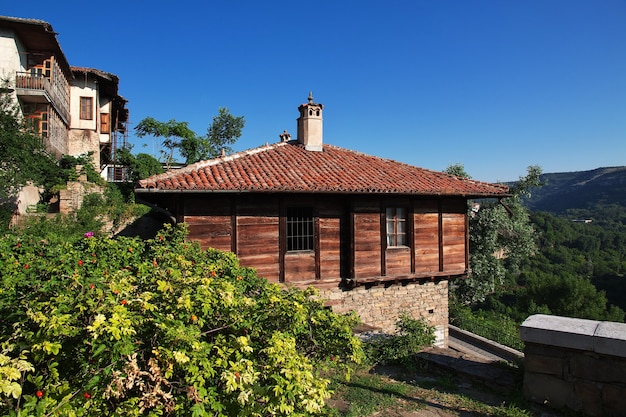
379	306
575	363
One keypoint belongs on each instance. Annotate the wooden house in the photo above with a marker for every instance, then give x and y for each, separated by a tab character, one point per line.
374	235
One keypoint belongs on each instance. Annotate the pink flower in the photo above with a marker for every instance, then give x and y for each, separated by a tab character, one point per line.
88	234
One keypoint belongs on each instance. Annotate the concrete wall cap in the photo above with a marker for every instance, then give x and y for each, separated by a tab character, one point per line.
610	339
590	335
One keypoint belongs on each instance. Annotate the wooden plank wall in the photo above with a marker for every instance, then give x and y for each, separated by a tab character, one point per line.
438	236
398	261
426	236
366	238
454	235
330	243
257	235
209	221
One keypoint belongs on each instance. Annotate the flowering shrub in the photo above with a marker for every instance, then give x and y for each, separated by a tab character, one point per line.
125	327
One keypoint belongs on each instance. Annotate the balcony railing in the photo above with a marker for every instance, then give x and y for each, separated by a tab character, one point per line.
32	84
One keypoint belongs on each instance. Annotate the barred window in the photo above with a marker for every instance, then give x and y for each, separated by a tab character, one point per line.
299	228
396	226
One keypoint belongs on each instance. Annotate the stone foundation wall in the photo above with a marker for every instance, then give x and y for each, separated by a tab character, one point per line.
380	306
575	363
71	199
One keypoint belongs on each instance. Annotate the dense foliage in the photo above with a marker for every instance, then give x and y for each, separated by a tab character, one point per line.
574	260
22	152
578	271
575	269
411	336
101	214
126	327
139	166
501	237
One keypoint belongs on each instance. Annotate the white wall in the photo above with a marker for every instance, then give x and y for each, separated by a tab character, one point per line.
10	58
82	87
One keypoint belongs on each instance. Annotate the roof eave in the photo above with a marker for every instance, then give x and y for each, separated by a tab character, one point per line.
155	190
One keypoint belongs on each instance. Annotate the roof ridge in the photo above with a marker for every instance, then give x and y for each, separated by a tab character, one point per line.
214	161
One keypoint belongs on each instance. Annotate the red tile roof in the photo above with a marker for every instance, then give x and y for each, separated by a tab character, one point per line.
288	167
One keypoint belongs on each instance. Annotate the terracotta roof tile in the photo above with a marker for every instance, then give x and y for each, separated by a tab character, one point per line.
287	166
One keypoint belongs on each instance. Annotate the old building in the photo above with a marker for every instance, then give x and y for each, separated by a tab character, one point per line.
99	119
76	110
376	236
33	64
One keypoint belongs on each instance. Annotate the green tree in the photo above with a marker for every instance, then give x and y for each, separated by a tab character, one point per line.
457	169
172	132
501	237
224	131
140	166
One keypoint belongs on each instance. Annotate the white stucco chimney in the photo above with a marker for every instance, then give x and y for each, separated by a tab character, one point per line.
310	125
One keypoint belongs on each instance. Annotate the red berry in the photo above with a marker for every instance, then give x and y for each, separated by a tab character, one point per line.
91	286
123	302
80	263
39	393
25	266
87	395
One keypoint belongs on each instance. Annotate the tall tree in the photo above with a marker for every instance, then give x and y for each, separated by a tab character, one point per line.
172	132
224	131
501	236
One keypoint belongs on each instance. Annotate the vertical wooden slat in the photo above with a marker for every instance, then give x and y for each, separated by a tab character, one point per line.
316	244
440	226
233	225
352	243
383	240
282	241
466	241
410	229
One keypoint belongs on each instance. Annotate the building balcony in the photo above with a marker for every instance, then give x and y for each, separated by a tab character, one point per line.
36	88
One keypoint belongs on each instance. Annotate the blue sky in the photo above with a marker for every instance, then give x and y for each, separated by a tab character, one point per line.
496	85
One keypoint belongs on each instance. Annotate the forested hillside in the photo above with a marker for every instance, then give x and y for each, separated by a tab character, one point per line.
579	266
599	195
581	220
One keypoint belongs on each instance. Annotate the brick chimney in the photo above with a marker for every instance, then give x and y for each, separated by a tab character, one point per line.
310	125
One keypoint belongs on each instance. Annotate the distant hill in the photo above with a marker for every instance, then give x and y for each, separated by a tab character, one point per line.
584	192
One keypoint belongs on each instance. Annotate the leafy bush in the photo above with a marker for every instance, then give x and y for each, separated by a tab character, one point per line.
412	335
127	327
488	324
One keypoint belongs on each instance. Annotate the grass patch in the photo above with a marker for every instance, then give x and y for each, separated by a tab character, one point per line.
369	393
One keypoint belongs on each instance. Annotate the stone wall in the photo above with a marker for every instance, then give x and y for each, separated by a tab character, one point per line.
575	363
71	199
379	306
